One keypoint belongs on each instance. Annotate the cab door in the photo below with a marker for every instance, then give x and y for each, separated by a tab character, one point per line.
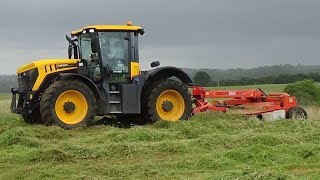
119	53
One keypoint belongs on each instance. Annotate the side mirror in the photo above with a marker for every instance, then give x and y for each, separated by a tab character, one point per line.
70	51
155	64
71	46
94	44
141	31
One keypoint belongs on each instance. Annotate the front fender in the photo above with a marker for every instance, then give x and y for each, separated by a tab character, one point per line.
84	79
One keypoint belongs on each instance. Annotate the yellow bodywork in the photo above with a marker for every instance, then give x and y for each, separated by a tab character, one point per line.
135	69
48	66
107	28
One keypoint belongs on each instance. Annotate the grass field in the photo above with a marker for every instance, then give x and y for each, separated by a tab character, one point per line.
267	88
208	146
4	96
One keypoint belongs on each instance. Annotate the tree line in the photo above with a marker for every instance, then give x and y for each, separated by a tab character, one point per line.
7	82
202	78
259	72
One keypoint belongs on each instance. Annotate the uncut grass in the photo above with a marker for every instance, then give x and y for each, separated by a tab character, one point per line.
4	96
267	88
210	145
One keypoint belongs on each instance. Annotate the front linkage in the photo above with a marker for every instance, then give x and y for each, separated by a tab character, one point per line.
26	104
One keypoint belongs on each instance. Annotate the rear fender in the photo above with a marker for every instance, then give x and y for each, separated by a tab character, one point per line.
168	72
156	75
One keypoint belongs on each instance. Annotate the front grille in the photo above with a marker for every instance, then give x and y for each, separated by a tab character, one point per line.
24	83
27	79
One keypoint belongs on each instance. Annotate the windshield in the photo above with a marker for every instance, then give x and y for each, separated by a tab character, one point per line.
114	50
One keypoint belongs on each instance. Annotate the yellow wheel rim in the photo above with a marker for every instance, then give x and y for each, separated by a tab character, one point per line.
170	105
71	107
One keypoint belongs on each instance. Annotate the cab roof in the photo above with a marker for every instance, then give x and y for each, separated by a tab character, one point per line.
108	28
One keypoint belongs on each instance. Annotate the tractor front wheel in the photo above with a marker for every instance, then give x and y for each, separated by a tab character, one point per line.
68	103
169	100
33	118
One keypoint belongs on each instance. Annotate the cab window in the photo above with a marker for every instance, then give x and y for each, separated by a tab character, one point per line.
85	45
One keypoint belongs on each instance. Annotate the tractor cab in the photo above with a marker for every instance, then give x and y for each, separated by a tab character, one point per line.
108	52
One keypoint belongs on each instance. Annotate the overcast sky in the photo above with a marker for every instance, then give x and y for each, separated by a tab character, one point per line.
185	33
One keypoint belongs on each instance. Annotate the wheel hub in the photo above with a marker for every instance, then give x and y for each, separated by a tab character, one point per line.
69	107
167	106
298	115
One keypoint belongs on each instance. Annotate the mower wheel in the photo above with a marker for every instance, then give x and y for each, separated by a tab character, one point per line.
296	113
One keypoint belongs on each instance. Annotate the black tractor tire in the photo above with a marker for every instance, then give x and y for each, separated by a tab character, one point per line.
146	92
33	118
296	113
72	100
157	97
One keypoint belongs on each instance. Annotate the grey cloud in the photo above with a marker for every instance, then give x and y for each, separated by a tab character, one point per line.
189	33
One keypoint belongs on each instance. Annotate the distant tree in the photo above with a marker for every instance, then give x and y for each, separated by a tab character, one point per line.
202	78
7	82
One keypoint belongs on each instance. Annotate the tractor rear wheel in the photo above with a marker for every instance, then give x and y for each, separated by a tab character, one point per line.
169	100
68	103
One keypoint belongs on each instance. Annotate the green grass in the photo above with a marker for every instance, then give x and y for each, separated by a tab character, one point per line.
4	96
268	88
209	146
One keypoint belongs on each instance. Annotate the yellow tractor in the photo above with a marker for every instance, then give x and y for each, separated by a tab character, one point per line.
100	77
